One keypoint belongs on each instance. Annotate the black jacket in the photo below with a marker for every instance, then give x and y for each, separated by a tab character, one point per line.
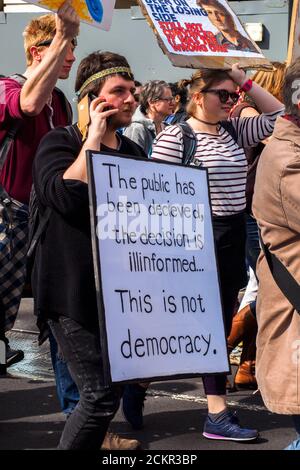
63	274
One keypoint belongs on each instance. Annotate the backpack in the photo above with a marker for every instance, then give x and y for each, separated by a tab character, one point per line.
190	140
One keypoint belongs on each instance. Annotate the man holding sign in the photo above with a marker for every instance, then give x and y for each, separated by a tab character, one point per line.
63	273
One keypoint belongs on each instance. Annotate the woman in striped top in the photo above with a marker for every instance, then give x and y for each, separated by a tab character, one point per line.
220	150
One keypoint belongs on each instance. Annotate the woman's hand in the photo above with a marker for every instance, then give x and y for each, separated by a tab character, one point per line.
99	116
238	75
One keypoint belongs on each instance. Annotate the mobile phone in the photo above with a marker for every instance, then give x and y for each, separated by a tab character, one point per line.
84	114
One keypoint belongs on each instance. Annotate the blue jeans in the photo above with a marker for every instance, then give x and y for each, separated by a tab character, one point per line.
87	425
66	388
295	445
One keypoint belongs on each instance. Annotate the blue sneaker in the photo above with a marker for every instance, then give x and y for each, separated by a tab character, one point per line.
228	429
133	403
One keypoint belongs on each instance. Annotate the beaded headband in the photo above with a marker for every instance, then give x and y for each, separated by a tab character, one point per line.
105	73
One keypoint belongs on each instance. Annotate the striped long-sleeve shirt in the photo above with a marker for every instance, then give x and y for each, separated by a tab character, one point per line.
223	157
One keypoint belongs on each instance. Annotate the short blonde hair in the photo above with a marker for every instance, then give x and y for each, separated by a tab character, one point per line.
39	29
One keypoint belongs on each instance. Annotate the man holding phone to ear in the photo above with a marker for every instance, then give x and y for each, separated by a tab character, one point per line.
29	108
63	272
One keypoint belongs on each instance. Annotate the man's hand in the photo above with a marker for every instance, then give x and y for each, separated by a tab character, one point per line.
99	115
67	21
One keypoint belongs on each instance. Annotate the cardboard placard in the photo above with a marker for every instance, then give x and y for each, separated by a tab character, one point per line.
156	277
200	36
96	13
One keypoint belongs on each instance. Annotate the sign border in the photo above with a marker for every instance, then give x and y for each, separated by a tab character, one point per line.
90	154
209	62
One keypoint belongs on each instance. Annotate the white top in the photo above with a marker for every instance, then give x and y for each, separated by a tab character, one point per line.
223	157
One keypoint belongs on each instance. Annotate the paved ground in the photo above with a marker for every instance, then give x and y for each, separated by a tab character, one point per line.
174	411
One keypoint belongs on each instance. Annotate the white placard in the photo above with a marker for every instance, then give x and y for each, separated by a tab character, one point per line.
158	282
196	34
184	26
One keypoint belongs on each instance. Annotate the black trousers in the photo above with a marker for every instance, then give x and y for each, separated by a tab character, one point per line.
230	243
88	423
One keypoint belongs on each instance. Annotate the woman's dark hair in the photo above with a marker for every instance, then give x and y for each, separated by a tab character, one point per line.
96	62
182	92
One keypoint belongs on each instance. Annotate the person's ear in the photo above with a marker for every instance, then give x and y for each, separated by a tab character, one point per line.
177	99
150	105
35	53
198	98
298	105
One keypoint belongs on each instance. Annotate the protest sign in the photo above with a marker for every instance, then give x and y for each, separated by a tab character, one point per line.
156	277
294	38
202	33
93	12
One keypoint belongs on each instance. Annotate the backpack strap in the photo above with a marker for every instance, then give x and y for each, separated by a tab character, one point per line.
74	131
228	126
283	278
66	105
189	141
13	130
18	78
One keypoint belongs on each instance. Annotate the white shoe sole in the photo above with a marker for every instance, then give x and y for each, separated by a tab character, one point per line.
216	437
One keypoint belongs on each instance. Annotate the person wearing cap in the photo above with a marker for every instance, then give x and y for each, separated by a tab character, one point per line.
63	273
31	100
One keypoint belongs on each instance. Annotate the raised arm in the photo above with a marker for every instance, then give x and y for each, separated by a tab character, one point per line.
266	102
42	79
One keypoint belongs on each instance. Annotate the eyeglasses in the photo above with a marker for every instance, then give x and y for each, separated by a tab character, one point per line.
48	42
169	100
223	95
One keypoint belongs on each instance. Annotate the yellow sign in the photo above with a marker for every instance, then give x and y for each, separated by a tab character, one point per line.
97	13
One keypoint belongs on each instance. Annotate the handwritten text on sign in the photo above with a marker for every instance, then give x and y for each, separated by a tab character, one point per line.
158	271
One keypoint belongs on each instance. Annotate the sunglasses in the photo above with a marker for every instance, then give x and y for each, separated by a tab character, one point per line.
48	42
223	95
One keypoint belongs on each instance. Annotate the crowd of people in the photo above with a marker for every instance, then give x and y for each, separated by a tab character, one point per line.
243	128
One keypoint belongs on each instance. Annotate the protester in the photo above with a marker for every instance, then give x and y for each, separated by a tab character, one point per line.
220	149
244	326
63	274
156	103
137	93
228	34
276	206
180	99
36	107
